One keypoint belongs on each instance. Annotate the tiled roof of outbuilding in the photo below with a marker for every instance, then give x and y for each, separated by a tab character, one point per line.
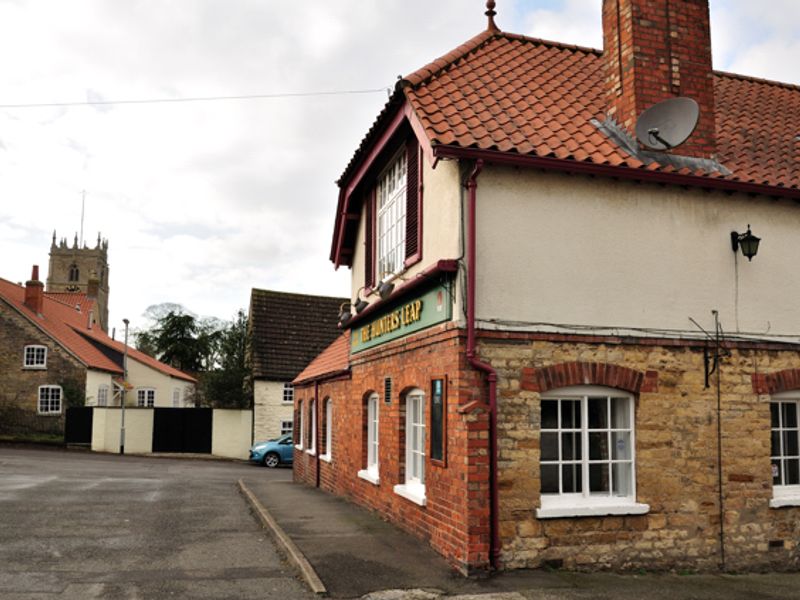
526	96
288	330
333	360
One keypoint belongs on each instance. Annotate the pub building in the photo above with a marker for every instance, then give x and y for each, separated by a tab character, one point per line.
555	352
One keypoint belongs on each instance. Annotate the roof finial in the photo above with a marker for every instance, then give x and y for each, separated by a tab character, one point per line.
490	12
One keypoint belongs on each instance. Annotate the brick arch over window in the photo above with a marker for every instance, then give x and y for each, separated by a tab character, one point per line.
775	383
586	373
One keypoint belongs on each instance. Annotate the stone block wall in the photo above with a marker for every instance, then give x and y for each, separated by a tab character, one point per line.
677	455
19	392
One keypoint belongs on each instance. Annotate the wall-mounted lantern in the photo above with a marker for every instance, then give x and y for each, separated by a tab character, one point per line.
747	242
360	303
344	314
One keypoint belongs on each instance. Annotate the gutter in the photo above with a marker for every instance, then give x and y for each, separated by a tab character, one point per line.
317	429
617	172
476	363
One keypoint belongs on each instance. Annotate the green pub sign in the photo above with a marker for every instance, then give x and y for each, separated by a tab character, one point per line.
431	308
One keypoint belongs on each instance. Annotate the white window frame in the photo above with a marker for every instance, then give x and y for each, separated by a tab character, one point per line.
414	487
586	503
390	205
372	472
49	406
327	442
784	494
288	393
143	399
102	394
176	397
301	439
312	445
31	357
287	427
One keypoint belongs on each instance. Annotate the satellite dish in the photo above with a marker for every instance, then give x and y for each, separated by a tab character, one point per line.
667	124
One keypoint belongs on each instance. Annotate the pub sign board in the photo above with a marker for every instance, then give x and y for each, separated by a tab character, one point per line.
418	313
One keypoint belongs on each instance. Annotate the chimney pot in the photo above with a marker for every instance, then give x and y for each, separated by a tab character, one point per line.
34	292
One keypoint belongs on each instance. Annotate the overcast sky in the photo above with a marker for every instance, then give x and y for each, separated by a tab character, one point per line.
201	201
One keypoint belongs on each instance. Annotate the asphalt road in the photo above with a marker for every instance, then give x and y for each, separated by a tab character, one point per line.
81	525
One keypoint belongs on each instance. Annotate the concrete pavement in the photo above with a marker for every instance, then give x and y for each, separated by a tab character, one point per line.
357	554
82	525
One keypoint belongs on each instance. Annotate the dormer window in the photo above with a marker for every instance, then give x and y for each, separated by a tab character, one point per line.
391	203
74	273
393	217
35	357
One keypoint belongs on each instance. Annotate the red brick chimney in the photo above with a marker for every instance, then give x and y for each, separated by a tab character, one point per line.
34	292
659	49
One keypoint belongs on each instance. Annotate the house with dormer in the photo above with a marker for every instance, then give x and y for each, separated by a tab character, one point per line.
564	344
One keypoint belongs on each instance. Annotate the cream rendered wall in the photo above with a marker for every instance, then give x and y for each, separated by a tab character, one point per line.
143	376
138	430
231	433
99	428
558	249
441	228
94	379
270	409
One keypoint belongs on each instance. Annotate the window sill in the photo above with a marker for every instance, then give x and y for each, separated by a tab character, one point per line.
298	446
370	476
558	512
784	501
325	457
311	451
34	367
415	494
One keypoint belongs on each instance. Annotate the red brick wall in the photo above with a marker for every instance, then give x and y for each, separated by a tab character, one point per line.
456	516
656	50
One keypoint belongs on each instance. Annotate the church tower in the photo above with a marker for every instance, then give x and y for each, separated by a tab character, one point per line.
81	270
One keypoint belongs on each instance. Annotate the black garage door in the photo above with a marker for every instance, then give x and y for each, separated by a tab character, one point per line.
182	430
78	425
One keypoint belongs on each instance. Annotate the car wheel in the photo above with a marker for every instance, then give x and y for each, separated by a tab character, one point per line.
272	460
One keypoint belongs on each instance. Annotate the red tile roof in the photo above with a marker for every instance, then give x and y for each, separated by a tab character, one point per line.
527	96
69	327
331	361
530	97
502	96
73	299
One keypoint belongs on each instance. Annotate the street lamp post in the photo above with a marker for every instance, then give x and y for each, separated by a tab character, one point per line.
124	390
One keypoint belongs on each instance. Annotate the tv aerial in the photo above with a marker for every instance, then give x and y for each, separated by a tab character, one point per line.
667	124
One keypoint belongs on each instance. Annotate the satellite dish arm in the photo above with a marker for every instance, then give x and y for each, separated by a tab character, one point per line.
653	132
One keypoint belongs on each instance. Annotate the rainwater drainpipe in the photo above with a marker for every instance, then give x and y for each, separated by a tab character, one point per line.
491	374
317	427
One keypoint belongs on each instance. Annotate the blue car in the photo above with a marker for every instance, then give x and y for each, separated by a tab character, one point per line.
273	453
